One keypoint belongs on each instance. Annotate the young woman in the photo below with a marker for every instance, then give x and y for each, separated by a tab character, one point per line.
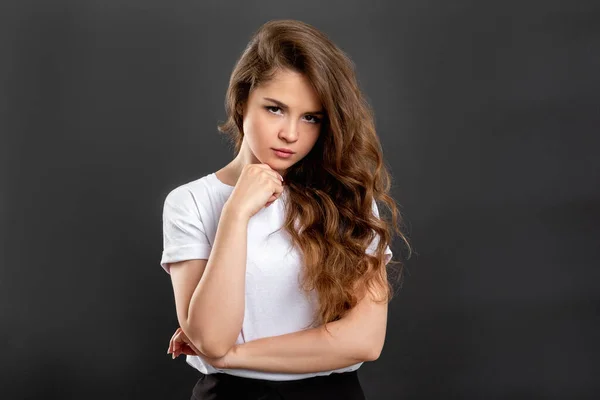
278	260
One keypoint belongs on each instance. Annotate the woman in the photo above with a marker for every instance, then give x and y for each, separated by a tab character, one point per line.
293	298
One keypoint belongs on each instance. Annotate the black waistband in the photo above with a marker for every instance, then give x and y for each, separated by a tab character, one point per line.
342	376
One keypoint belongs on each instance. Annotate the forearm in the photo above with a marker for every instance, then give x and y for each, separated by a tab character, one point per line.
216	310
306	351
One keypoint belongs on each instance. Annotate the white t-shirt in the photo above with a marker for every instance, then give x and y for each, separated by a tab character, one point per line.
274	303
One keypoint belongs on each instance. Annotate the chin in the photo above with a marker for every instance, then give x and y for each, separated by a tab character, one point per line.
277	165
275	162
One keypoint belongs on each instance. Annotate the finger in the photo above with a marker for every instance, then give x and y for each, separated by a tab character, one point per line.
189	344
267	169
172	341
277	189
270	201
177	342
176	351
170	349
270	169
276	175
182	342
188	351
274	179
264	166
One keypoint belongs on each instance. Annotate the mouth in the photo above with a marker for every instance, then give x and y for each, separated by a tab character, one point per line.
282	153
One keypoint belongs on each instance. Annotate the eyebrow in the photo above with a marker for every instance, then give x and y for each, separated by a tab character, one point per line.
285	106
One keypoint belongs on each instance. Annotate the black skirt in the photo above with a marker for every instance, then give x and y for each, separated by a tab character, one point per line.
221	386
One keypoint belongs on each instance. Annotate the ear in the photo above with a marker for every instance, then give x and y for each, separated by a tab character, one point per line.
240	108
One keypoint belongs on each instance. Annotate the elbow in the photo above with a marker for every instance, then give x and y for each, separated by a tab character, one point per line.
373	351
213	350
211	347
374	342
372	354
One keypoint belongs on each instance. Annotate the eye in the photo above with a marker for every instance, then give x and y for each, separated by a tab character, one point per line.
313	119
273	109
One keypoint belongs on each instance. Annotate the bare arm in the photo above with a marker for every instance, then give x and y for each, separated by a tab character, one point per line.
357	337
210	295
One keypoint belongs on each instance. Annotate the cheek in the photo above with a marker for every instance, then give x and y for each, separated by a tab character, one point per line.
312	135
256	127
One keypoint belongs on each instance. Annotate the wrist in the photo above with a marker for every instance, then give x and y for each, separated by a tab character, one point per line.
234	213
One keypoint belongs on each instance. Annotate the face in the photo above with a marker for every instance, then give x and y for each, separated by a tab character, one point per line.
284	113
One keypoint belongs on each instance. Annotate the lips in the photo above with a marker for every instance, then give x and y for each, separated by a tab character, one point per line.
284	151
282	154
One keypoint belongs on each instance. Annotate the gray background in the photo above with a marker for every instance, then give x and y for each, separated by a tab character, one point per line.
488	113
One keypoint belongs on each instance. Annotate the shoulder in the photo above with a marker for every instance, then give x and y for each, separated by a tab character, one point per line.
192	194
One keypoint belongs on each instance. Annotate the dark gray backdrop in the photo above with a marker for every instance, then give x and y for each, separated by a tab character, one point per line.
488	113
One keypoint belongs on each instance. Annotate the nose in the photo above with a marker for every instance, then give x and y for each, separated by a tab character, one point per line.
289	131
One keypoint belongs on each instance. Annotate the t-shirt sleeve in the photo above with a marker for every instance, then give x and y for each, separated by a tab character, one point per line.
373	246
184	236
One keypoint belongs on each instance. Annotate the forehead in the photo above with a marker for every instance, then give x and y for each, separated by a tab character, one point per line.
291	88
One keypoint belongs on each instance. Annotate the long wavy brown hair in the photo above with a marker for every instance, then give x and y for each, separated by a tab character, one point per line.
330	214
